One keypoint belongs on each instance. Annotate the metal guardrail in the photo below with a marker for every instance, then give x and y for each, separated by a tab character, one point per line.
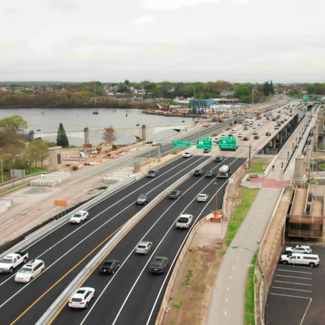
89	268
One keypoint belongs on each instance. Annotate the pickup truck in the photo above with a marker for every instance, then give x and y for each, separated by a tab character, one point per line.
11	261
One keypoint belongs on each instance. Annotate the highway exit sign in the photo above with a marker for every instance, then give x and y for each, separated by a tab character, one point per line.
204	143
181	143
227	143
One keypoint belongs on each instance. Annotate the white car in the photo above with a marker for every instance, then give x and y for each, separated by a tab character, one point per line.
299	249
187	154
79	217
29	271
239	135
202	197
233	131
144	247
255	133
223	135
82	297
184	221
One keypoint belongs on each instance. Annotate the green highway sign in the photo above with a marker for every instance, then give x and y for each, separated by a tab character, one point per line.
181	143
227	143
205	143
305	98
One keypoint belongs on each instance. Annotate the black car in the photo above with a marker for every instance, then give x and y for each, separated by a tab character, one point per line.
198	172
206	150
245	138
158	265
110	267
219	159
256	137
153	173
268	134
175	194
143	199
210	174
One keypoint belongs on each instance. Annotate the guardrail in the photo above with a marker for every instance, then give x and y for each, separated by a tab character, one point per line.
90	267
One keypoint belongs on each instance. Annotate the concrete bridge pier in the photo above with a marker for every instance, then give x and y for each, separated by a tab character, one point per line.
320	129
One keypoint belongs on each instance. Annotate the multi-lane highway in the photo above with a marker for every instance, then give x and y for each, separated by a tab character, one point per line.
132	295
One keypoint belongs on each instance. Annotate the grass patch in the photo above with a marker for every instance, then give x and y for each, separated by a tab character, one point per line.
249	294
188	278
247	198
178	304
35	170
223	253
258	166
322	166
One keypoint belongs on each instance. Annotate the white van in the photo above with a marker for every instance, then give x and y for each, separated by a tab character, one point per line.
29	271
300	259
187	154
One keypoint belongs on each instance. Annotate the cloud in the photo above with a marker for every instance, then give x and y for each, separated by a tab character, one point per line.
142	20
63	5
177	4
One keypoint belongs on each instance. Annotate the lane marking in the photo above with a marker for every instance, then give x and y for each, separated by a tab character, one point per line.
301	284
283	270
294	277
291	296
283	288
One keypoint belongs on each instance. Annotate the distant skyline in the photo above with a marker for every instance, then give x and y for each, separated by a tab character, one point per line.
166	40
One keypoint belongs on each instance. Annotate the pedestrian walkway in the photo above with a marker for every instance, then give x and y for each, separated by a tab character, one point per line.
228	292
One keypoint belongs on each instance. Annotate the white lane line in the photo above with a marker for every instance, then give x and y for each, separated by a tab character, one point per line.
283	288
152	254
294	277
303	317
282	270
300	284
84	225
291	296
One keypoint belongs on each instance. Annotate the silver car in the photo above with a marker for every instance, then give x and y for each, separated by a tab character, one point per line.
143	247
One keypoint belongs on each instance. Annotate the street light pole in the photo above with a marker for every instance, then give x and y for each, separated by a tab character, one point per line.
1	166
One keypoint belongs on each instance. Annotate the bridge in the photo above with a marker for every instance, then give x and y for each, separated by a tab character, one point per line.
141	132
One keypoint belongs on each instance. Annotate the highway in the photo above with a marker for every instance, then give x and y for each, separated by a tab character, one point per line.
66	250
132	294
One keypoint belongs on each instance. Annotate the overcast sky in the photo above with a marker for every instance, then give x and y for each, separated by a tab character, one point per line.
162	40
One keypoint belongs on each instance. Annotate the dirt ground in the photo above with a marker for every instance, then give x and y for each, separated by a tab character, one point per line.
191	293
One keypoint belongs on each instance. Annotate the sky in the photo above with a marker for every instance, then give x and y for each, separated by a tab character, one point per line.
162	40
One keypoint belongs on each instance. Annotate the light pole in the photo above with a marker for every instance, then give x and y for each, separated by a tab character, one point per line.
216	184
1	166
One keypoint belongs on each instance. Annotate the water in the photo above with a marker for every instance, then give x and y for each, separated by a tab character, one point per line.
48	120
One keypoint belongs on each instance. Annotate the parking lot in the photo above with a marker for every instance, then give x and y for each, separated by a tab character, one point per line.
297	294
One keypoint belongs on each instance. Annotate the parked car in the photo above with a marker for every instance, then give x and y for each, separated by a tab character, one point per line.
144	247
219	159
143	199
198	172
299	249
30	271
210	174
82	297
79	217
110	267
175	194
202	197
158	265
153	173
300	259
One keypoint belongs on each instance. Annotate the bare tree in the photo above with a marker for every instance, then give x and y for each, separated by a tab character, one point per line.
109	134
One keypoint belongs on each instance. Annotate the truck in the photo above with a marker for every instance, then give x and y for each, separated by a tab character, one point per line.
11	261
224	171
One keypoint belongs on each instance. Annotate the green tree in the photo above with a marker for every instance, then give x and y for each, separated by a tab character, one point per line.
62	139
13	124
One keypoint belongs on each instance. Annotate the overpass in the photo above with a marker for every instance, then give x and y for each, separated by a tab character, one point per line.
141	132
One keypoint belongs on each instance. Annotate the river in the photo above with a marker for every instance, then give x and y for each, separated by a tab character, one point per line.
42	119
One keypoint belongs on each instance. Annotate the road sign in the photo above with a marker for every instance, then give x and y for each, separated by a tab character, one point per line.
181	143
205	143
227	143
305	98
